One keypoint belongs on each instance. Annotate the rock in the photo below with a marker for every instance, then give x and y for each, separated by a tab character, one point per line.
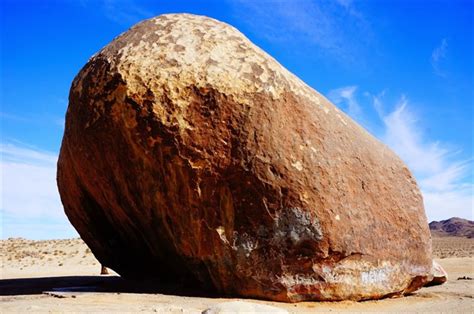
439	275
243	307
189	152
103	270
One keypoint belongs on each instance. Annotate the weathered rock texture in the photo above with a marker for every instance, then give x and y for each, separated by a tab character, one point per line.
440	276
190	152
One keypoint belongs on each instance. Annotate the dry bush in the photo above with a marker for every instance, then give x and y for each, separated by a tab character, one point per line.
26	254
444	247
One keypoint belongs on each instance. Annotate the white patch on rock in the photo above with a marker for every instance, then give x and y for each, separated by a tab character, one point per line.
341	119
221	231
297	165
375	276
332	276
355	272
244	243
291	280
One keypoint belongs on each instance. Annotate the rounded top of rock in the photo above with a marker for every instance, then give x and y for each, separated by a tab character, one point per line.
195	50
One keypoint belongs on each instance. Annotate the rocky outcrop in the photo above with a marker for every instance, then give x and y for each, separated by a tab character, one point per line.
190	153
452	227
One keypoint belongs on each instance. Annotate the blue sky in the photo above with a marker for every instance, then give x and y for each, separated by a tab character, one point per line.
403	69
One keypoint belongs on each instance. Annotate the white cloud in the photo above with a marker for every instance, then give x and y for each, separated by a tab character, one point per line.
60	122
403	135
437	56
13	117
125	12
308	22
346	96
43	120
442	177
441	205
29	196
377	101
305	18
23	153
345	3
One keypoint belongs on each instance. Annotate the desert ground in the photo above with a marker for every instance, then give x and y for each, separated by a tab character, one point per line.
63	276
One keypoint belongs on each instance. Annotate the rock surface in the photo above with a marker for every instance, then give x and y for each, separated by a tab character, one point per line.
440	276
190	153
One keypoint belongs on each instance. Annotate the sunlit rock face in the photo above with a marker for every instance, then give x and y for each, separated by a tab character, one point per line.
190	153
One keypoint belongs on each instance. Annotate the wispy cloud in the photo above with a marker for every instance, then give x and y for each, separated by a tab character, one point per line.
13	117
60	122
22	153
42	119
125	12
403	135
345	96
377	102
314	23
442	176
29	194
345	3
437	56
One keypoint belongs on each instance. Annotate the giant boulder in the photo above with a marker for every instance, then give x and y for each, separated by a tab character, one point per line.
190	153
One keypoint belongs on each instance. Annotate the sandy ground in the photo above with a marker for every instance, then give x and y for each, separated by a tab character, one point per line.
62	276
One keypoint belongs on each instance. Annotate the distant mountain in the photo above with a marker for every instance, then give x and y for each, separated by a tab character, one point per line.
454	227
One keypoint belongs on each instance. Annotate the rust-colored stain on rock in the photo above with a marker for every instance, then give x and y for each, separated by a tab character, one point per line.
190	153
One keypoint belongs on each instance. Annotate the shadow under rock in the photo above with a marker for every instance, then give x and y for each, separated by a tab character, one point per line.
111	284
